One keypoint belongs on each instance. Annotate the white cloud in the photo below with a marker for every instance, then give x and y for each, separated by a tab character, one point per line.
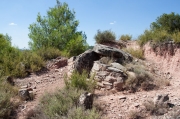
112	23
12	24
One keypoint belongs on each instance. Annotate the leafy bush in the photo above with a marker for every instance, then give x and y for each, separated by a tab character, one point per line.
168	22
56	29
75	47
81	81
138	53
105	36
166	28
15	62
157	36
48	53
125	37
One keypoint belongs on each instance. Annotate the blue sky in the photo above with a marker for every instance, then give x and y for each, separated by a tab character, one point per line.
120	16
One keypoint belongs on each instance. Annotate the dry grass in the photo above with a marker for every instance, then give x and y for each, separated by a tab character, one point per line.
155	109
138	53
135	115
162	82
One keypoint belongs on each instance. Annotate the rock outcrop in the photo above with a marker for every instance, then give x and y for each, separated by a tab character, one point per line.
86	59
104	62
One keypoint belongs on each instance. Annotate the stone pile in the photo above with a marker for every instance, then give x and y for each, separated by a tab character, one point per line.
109	76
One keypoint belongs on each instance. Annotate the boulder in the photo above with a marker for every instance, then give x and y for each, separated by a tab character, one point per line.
86	100
112	52
24	94
161	99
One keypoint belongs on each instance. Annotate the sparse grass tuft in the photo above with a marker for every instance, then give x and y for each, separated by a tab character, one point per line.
138	53
106	60
134	115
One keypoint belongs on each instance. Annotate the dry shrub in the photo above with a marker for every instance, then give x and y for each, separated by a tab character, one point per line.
138	78
138	53
36	113
162	82
135	115
155	109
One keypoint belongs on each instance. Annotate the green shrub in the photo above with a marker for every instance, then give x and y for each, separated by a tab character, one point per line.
176	37
80	113
158	36
63	104
48	53
75	47
138	53
125	37
144	38
105	36
81	81
6	93
15	62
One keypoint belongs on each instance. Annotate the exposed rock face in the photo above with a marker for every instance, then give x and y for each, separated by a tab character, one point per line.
166	56
86	59
111	52
86	100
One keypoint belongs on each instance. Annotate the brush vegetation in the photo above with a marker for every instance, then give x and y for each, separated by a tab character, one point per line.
106	36
64	103
165	28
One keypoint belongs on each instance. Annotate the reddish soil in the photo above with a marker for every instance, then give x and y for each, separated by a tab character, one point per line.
42	84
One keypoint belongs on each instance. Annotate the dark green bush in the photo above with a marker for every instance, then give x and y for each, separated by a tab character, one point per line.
105	36
158	36
75	47
125	37
48	53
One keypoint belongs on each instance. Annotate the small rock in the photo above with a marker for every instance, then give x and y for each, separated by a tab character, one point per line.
122	97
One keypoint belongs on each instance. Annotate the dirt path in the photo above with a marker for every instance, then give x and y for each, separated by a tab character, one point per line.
41	84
